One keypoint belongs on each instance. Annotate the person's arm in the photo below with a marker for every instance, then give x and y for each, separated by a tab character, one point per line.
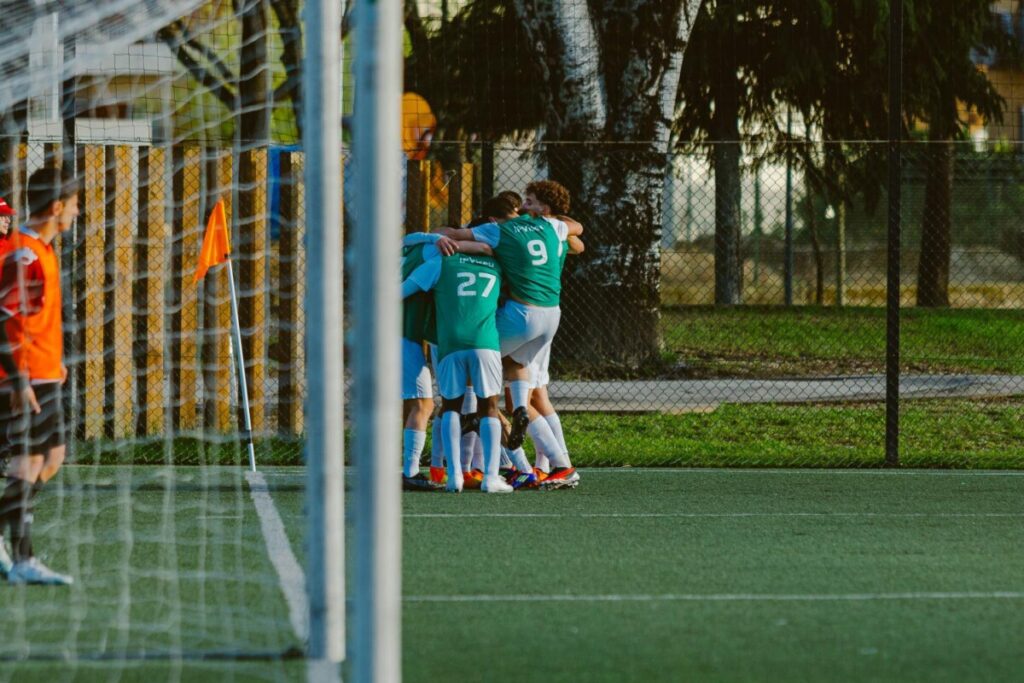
575	228
576	245
423	278
458	234
474	248
438	239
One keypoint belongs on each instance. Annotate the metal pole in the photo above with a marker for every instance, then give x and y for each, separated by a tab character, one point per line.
243	386
377	149
892	317
788	263
325	579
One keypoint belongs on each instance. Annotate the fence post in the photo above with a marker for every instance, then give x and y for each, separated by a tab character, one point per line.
290	347
487	172
460	196
253	277
117	291
184	294
91	301
148	293
417	196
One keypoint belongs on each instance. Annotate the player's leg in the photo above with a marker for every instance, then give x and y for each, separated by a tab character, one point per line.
472	454
486	371
418	403
514	330
452	376
44	436
437	473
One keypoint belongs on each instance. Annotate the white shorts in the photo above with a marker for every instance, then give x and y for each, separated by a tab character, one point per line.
539	376
524	331
481	367
415	373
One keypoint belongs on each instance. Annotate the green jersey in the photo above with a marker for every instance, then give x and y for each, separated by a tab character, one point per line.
530	251
418	321
466	298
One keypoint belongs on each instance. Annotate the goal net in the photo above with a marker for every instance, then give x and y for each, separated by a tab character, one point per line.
182	557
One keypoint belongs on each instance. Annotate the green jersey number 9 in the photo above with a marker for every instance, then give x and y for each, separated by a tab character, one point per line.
538	251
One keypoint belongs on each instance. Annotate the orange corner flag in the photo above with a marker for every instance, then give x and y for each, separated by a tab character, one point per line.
216	247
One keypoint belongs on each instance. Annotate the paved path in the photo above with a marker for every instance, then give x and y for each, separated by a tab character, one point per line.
707	394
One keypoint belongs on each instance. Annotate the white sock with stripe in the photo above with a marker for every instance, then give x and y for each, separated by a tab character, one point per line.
413	441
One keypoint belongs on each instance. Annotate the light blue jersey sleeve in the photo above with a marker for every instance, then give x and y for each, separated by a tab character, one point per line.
488	233
414	238
424	277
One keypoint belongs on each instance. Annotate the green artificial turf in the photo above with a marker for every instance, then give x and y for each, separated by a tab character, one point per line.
638	575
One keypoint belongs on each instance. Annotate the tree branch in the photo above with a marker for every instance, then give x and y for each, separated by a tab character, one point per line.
221	90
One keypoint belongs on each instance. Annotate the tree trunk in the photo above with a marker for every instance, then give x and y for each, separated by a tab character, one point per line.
622	88
841	249
728	193
933	267
611	298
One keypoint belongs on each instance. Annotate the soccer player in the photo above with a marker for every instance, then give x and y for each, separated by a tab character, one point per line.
6	217
419	333
466	289
418	330
529	249
32	360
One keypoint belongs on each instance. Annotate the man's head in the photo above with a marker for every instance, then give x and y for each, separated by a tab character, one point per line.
546	198
6	216
52	199
512	196
495	210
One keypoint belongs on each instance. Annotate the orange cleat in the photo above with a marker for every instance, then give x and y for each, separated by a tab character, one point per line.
438	475
472	479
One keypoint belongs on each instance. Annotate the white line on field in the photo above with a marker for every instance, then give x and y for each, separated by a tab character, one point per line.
289	573
721	597
753	470
445	515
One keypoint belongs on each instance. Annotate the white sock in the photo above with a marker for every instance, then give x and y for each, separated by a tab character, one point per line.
519	460
450	428
541	434
469	403
468	446
479	456
541	461
506	461
556	428
412	448
490	436
520	392
436	445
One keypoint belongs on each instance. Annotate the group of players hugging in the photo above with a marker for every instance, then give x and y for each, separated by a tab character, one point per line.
481	305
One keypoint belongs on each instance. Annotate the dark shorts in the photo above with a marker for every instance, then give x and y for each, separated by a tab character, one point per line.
28	433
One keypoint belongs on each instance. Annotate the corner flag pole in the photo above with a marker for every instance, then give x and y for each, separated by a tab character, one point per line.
240	367
216	249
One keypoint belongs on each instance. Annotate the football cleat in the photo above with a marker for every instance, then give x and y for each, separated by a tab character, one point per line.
472	479
5	560
520	421
420	483
32	571
561	478
495	484
437	475
522	481
540	474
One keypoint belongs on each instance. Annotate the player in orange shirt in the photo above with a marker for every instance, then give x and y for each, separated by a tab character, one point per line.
32	361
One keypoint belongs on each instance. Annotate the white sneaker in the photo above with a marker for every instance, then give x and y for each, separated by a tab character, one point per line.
32	571
495	485
5	560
